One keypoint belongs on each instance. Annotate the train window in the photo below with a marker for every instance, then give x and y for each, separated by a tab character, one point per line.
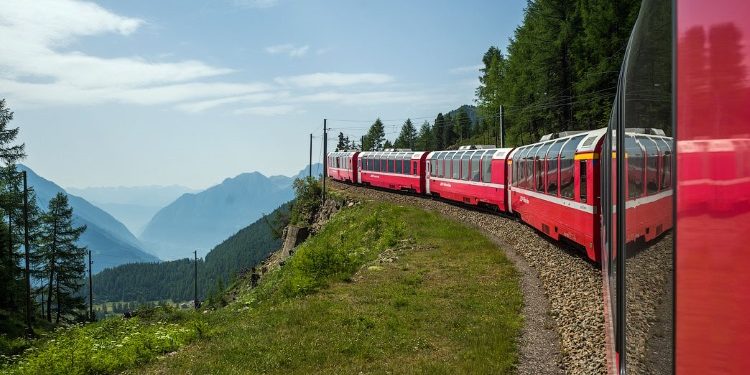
539	174
634	155
378	163
437	167
583	181
567	162
652	164
666	167
383	163
465	157
518	166
552	161
528	169
456	166
390	164
399	164
514	169
407	166
487	166
475	171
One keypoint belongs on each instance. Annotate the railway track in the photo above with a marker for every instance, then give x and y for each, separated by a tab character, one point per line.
564	324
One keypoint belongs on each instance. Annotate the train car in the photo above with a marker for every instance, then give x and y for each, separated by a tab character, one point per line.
394	170
476	176
343	166
679	303
553	187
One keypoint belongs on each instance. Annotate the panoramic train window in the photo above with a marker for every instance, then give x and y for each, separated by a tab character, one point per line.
567	162
634	156
456	166
465	165
438	169
390	163
652	164
407	164
666	169
378	163
514	168
487	166
539	156
475	165
399	163
528	170
552	162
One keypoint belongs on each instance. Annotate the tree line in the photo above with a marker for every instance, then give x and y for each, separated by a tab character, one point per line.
558	73
56	261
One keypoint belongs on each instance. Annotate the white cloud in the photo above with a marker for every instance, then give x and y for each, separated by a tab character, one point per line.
334	79
365	98
256	3
273	110
34	69
288	49
467	69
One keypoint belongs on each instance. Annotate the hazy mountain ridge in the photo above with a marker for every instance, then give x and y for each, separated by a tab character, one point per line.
109	240
200	221
134	206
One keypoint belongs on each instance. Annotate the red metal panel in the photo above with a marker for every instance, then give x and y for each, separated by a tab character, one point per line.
713	172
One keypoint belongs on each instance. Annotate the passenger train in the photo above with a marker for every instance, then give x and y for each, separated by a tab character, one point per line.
659	198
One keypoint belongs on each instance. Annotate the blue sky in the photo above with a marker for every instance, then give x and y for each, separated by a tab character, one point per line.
133	93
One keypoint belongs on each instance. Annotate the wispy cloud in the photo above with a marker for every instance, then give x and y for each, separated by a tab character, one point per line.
256	3
467	69
272	110
334	79
200	106
288	49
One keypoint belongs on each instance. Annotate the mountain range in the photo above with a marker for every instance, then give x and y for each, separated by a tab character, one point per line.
134	206
200	221
110	242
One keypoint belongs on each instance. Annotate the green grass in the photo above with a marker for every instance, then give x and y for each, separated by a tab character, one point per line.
449	302
107	346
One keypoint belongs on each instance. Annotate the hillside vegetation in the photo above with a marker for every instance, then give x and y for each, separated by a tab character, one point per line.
382	288
174	279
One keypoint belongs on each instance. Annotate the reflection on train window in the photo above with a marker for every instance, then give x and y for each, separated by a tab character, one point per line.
634	156
652	164
407	165
398	162
666	169
487	167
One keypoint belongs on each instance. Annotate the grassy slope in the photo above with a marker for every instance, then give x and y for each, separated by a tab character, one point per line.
448	303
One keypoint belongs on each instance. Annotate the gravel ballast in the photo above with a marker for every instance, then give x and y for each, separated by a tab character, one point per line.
564	332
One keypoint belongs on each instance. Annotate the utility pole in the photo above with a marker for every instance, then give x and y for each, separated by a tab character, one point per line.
310	165
362	143
195	279
502	127
91	292
29	329
325	157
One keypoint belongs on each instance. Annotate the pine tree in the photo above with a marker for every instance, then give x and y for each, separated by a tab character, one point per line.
11	275
438	131
462	125
408	136
343	144
62	259
449	136
425	137
375	137
387	144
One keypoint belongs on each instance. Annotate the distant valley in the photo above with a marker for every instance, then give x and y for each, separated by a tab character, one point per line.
134	206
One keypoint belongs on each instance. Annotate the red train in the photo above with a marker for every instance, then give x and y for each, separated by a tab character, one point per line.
675	154
551	185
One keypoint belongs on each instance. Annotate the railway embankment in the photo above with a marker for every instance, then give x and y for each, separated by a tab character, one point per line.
562	290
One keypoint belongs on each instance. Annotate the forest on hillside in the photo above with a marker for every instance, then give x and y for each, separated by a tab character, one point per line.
559	72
